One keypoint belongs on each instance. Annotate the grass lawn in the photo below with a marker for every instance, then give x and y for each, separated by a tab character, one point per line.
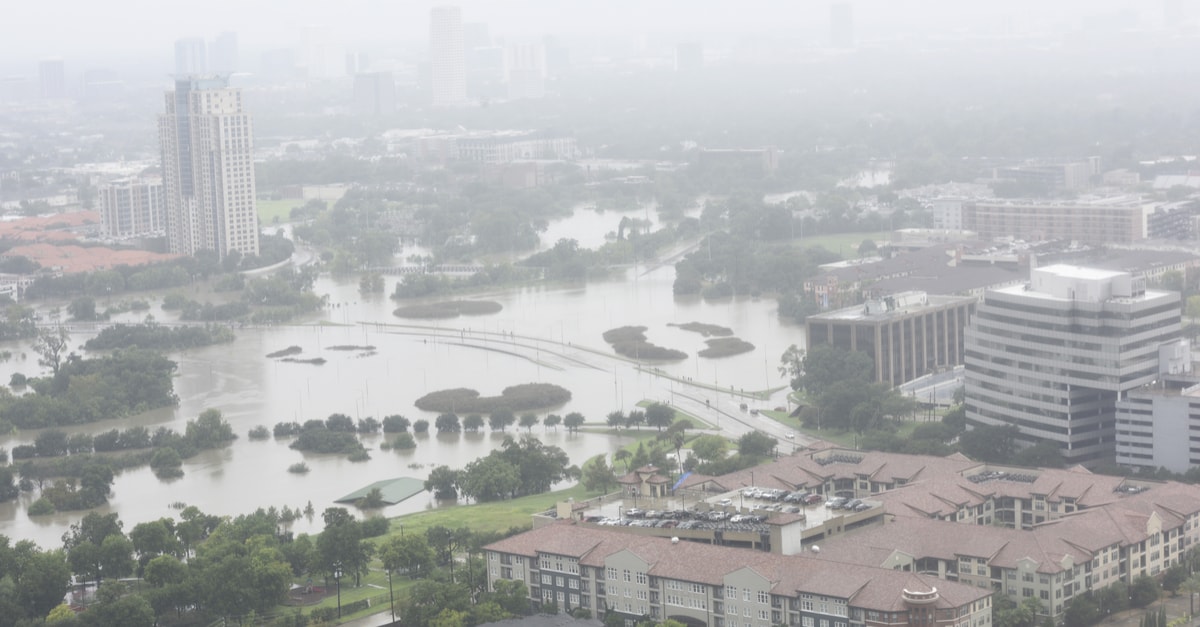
497	516
844	244
841	438
269	209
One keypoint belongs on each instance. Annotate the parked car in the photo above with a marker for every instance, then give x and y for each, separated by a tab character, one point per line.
836	502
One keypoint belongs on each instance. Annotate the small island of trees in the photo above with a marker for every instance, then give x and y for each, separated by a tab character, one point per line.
523	397
631	342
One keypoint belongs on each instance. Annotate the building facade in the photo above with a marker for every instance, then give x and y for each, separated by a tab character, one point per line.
906	335
207	143
637	577
1053	357
132	208
447	63
1114	221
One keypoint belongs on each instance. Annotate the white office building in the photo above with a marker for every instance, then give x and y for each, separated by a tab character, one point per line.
1054	356
447	61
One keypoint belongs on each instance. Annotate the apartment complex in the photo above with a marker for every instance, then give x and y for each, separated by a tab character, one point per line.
1118	220
207	143
907	335
570	566
132	207
1054	356
1026	532
447	60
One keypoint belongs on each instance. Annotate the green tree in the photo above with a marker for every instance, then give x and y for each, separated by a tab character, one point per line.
50	345
990	443
443	482
41	577
573	421
824	365
1081	611
552	421
475	422
710	447
529	421
1143	591
490	478
659	415
407	555
447	423
615	419
597	476
501	419
756	444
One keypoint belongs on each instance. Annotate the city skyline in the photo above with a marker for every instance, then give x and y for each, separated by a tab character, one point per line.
34	32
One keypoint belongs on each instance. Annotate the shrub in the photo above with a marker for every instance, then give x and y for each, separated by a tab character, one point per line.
259	433
298	468
404	442
41	507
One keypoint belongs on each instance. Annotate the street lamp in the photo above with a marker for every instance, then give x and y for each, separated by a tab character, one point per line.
391	595
337	576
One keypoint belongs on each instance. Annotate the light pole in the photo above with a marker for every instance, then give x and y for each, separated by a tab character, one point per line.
391	596
337	576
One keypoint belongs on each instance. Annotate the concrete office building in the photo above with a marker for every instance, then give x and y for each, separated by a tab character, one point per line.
1053	356
907	335
1157	422
447	63
132	207
374	93
207	143
52	78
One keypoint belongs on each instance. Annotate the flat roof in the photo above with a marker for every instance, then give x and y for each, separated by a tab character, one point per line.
1080	272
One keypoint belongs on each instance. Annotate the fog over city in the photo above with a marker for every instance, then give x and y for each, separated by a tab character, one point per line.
437	313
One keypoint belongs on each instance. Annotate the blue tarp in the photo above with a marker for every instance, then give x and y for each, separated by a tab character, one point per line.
676	486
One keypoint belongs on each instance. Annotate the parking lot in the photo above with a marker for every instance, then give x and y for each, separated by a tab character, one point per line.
744	510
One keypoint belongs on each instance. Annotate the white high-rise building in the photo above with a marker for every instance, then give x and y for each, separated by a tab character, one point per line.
447	61
526	65
132	207
223	55
207	142
1054	356
191	56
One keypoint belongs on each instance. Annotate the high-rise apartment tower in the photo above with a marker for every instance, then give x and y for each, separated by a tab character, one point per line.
207	143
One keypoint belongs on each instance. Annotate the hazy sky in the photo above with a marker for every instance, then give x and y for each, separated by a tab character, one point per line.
88	30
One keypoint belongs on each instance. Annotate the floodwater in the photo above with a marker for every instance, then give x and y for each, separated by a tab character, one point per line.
545	334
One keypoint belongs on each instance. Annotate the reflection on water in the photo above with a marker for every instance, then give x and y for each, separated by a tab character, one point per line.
543	334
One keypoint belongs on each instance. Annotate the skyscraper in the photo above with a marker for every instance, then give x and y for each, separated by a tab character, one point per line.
207	143
223	56
374	93
526	65
52	78
841	25
447	63
190	56
1054	356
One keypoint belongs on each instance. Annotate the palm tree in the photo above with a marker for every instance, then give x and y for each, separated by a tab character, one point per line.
623	455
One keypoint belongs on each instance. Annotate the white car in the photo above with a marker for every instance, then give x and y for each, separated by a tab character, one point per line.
789	435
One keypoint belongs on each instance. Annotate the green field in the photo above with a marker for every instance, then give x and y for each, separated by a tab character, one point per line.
269	209
844	244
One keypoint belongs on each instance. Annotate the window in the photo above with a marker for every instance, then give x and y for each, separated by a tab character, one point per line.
731	609
612	573
641	578
625	575
763	597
